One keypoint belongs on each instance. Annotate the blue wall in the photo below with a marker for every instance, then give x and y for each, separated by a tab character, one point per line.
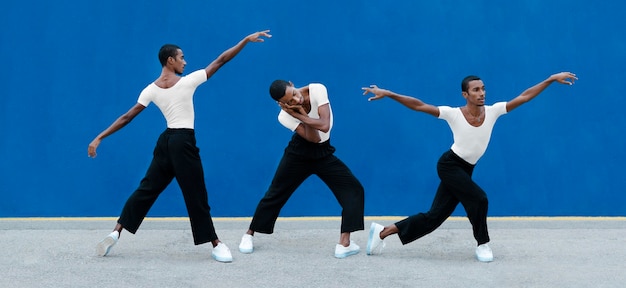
72	67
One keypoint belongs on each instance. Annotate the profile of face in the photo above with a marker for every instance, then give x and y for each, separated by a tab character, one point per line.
178	62
292	96
475	93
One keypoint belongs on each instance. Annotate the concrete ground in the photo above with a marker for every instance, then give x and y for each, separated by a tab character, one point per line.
529	252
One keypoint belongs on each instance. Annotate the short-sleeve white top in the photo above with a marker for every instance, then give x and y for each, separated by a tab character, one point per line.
176	102
470	143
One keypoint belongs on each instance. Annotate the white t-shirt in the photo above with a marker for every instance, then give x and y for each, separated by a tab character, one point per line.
176	102
470	142
318	96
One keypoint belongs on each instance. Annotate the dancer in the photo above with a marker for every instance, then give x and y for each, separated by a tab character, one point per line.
175	154
307	112
471	127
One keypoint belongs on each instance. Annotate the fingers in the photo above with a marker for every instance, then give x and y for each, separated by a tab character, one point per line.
565	78
573	78
569	75
266	33
256	37
369	89
372	89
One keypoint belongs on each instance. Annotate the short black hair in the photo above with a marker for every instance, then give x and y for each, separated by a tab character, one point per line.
466	80
278	88
167	51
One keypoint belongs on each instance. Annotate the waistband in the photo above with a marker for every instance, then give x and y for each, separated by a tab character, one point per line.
179	131
459	159
301	147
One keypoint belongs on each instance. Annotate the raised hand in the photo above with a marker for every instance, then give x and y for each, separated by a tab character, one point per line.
256	37
564	78
378	93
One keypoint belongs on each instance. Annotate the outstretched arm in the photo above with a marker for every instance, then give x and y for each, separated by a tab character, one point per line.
409	102
117	125
530	93
233	51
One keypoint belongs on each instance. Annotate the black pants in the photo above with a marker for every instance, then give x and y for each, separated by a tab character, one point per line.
175	155
301	160
456	186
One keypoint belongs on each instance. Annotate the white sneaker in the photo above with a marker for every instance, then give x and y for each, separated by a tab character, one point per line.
221	253
246	246
103	248
343	252
375	245
484	253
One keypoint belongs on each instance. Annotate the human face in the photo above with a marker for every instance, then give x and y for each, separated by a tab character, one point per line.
292	96
475	94
178	62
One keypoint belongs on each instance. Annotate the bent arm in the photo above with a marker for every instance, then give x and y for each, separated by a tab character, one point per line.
117	125
233	51
322	123
532	92
309	127
408	101
309	133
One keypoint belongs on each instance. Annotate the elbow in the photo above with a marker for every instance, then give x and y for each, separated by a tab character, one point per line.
325	128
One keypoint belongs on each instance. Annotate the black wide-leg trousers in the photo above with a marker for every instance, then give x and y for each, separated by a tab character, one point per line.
456	187
175	155
301	160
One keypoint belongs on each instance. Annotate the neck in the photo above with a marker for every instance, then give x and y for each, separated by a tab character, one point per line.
167	73
473	109
167	79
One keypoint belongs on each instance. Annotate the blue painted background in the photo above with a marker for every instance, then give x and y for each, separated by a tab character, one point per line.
72	67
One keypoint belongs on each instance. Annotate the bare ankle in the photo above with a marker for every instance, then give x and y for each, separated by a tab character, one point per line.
215	242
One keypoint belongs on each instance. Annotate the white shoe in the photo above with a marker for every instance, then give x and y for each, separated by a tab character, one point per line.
104	247
221	253
247	244
484	253
375	244
343	252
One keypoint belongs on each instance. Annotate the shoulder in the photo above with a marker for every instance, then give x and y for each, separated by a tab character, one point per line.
499	107
317	86
448	109
198	75
149	89
147	94
318	90
447	112
318	94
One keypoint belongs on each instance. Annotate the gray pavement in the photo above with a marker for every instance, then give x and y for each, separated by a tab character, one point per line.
529	252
